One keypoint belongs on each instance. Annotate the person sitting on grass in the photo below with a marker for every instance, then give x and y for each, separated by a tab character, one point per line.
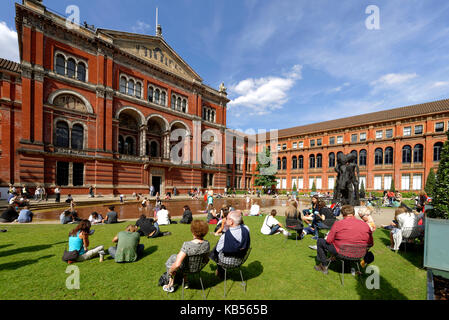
233	243
198	246
271	226
255	208
222	225
66	217
365	214
96	218
163	216
111	216
9	215
149	228
308	212
323	219
344	232
25	215
128	248
211	214
79	241
187	216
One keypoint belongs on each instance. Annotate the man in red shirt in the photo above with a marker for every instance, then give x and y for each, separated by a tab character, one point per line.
346	231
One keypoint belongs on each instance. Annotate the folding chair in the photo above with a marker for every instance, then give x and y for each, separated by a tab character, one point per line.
295	226
230	263
194	265
411	234
350	252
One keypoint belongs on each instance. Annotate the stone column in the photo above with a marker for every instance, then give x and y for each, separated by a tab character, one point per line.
143	139
166	145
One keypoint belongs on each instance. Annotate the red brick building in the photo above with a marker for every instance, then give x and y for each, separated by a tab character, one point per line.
100	107
401	144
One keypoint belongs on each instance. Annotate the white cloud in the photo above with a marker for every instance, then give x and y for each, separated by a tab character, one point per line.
141	27
9	47
441	84
393	79
263	95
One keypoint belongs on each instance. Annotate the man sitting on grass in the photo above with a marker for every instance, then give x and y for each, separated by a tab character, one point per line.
128	248
347	231
111	216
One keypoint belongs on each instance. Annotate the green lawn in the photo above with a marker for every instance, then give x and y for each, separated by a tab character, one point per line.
31	268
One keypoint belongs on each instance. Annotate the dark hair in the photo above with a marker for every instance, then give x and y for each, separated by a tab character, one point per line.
321	204
163	207
84	226
95	214
67	213
274	212
111	208
187	208
199	228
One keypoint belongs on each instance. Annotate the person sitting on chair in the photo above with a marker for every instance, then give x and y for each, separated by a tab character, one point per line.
325	219
350	231
293	219
198	246
233	243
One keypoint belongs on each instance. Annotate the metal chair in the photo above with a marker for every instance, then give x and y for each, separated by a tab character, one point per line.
230	263
350	252
411	234
194	265
293	225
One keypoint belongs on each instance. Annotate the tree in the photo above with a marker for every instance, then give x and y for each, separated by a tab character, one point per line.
294	187
392	188
362	190
430	183
313	186
266	171
440	199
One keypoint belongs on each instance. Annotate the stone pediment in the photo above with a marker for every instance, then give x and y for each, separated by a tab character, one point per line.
154	50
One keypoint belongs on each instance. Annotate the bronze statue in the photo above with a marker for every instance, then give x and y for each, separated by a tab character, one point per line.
347	186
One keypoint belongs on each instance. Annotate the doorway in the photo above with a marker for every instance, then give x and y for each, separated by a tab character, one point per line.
156	182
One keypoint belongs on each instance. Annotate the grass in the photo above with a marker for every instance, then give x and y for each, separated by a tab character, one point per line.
31	268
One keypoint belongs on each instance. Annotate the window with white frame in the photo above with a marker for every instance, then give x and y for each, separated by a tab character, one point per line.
295	145
405	182
379	134
311	181
387	182
208	114
417	182
362	180
377	183
70	66
331	183
157	95
130	86
300	183
180	103
339	139
319	184
284	183
407	131
301	145
363	136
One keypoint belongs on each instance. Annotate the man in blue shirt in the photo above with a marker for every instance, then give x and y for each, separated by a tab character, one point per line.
25	215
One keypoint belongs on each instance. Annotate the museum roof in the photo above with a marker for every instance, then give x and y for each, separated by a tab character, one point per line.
10	66
367	119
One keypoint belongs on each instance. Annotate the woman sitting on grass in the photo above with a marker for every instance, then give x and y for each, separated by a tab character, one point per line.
96	218
198	246
79	241
187	216
271	226
211	214
221	226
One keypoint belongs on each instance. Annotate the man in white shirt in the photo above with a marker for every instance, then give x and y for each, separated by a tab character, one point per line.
255	209
272	226
163	216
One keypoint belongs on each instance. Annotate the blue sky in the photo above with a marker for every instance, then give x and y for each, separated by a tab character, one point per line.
289	62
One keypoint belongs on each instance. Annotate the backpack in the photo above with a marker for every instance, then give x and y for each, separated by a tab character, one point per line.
336	211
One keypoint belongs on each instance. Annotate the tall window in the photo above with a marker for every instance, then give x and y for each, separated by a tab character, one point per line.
77	137
300	162
378	157
389	155
62	134
437	149
131	87
407	154
312	161
129	146
284	163
60	65
163	98
157	95
71	68
121	145
331	160
319	161
418	153
362	158
184	108
332	140
279	164
122	85
138	90
294	163
354	153
78	174
62	173
150	94
81	72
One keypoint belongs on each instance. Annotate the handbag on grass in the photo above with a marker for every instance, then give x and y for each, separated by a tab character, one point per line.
70	255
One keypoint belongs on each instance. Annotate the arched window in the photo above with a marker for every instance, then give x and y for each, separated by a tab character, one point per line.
173	102
138	90
418	151
150	94
121	145
284	163
407	154
71	68
389	155
122	85
60	64
154	149
184	105
163	98
129	146
312	161
300	162
437	149
294	163
77	137
81	72
378	157
279	164
319	161
157	96
331	160
340	154
178	104
354	152
131	87
62	134
362	158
